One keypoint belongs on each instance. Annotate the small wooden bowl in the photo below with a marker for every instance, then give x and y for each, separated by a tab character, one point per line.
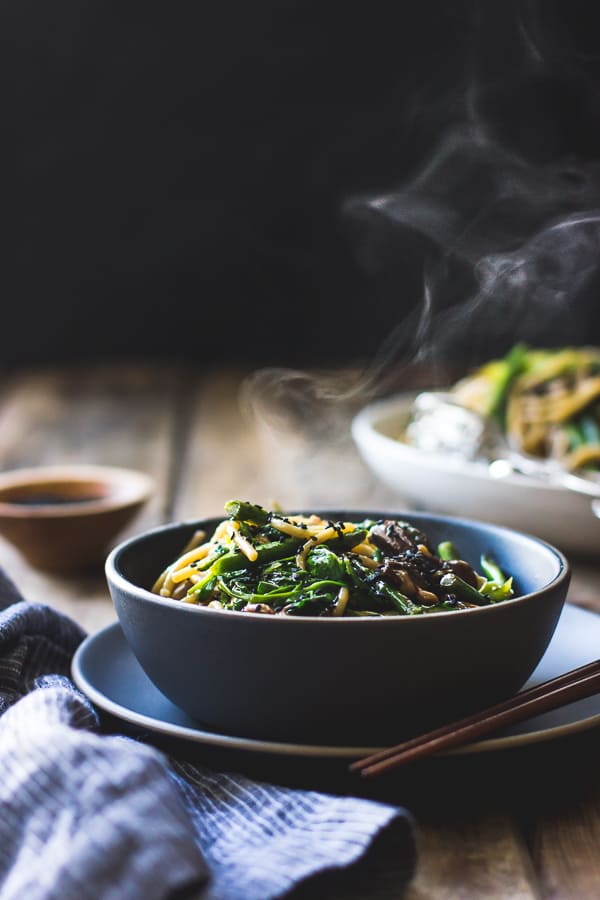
63	518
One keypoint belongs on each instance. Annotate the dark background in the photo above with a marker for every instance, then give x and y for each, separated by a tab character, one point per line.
191	180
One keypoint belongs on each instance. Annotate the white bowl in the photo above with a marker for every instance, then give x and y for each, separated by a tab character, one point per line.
450	485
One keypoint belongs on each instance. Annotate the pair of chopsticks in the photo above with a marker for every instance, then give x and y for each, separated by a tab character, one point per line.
574	685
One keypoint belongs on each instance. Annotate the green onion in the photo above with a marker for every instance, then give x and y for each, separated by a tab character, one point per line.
492	570
446	550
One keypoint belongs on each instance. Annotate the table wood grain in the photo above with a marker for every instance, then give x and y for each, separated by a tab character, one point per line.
523	823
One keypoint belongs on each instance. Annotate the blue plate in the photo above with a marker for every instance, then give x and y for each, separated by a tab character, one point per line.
105	669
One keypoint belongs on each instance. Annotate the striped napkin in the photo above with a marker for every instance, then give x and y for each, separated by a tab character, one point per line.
85	814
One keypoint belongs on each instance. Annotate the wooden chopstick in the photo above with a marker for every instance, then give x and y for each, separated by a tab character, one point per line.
573	685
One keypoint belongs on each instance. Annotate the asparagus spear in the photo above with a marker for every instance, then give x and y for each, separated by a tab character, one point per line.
242	511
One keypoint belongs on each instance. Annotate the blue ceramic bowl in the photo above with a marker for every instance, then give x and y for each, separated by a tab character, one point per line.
360	680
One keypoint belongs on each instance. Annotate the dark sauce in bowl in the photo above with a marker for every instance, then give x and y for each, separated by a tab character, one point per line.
49	493
48	499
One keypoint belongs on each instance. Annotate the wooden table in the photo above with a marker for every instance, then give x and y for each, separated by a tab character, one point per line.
522	823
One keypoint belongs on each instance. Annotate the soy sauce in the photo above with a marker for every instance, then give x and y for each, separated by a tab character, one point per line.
51	499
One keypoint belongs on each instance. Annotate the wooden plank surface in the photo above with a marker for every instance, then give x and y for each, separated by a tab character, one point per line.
206	437
476	856
237	449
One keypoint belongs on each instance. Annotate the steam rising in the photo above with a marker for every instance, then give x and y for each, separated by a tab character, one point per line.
510	241
520	240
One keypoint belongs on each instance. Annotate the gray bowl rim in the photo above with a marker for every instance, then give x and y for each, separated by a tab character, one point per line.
116	578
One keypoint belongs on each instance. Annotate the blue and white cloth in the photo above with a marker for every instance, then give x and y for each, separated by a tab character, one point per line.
86	815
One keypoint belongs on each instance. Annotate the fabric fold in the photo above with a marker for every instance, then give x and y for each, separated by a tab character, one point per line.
87	814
